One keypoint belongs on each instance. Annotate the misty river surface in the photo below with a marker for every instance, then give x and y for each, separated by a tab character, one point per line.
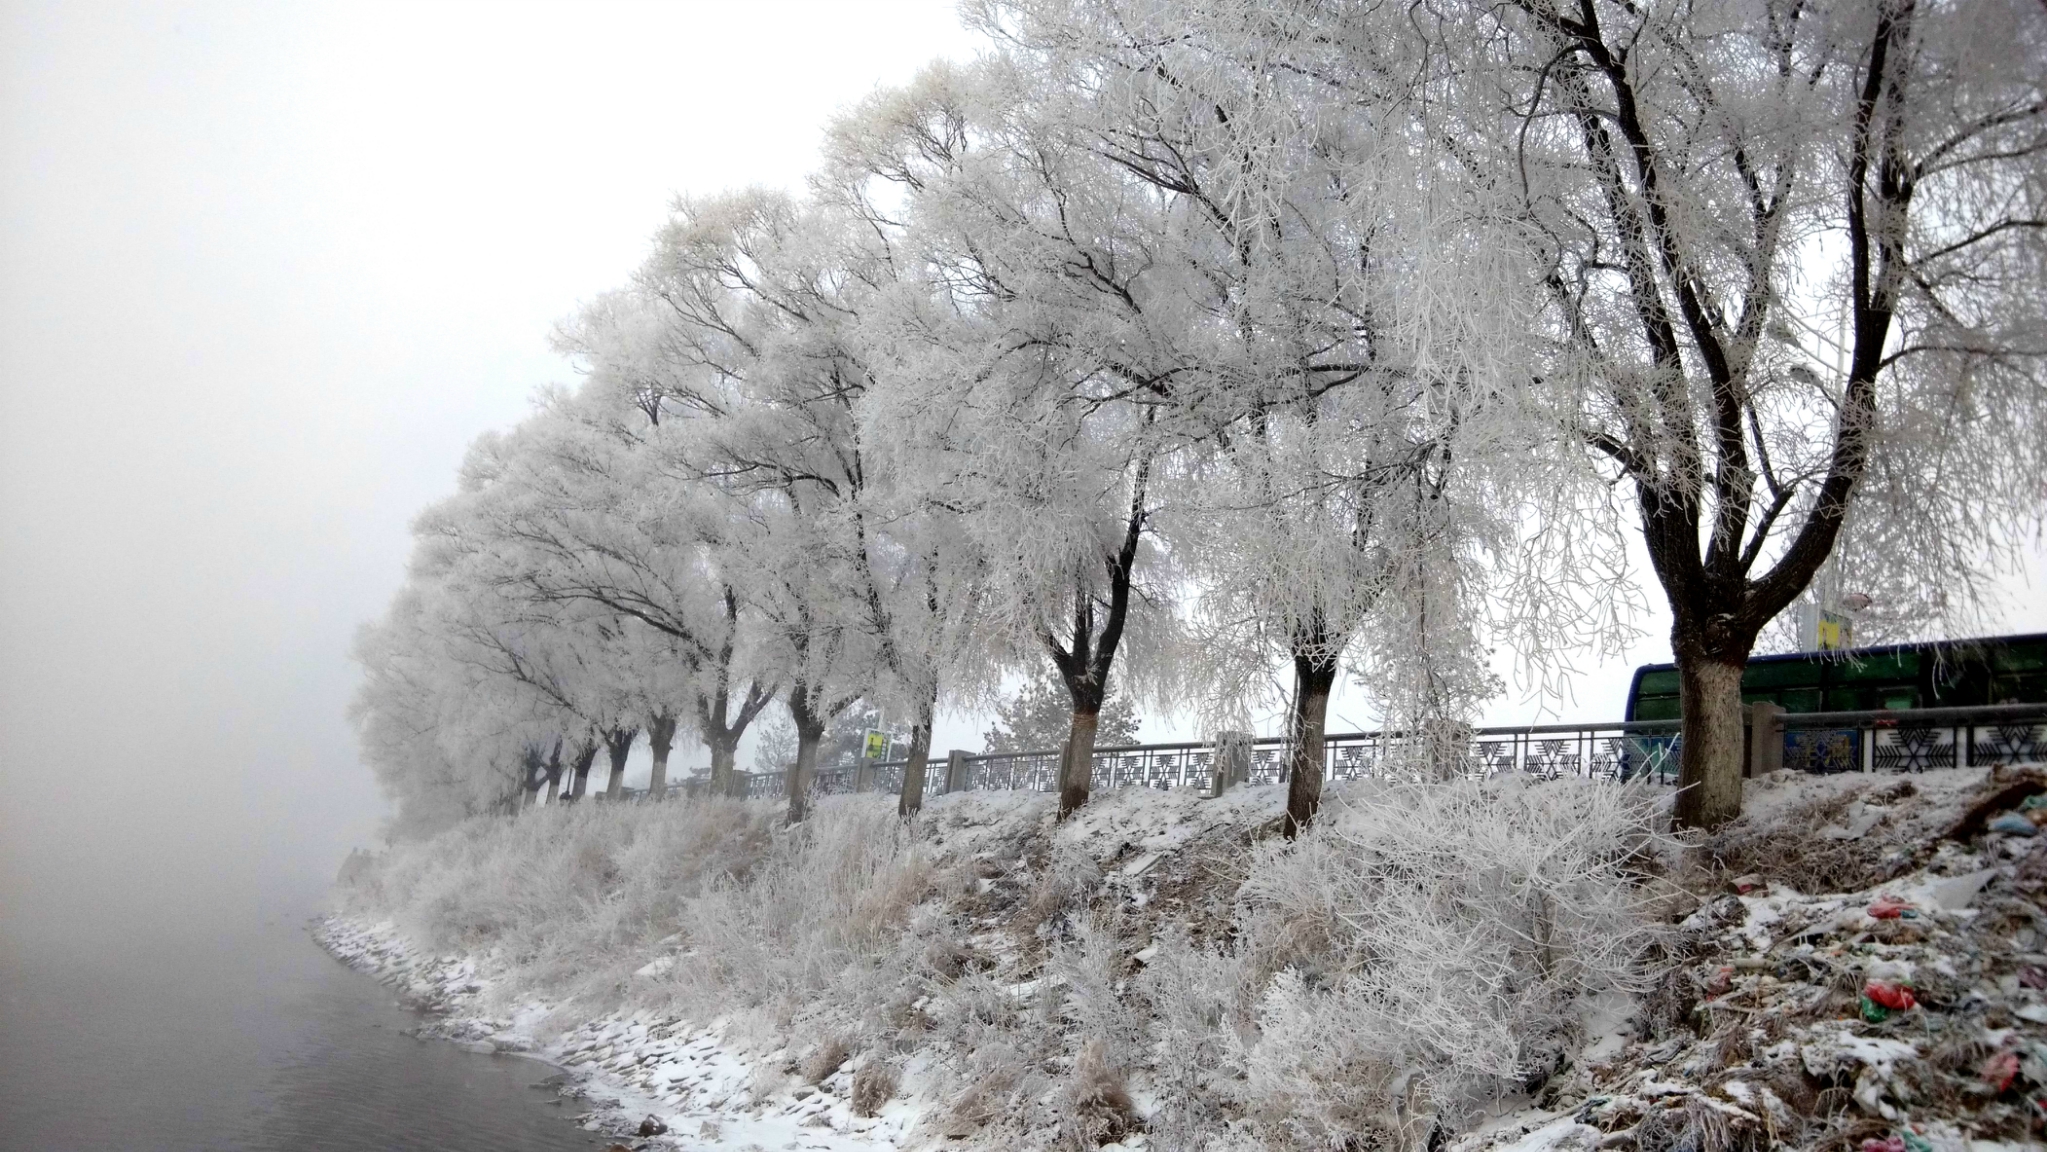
239	1033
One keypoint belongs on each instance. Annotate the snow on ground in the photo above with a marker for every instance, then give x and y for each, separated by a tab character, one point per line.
703	1089
628	1067
1471	967
1771	1027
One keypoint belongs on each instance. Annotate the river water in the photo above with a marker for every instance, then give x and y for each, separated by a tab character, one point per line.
236	1032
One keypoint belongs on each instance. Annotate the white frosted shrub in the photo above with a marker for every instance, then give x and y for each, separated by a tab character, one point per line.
1421	949
832	892
1199	1032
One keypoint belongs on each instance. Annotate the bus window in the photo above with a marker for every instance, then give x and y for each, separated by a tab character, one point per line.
1994	670
1843	699
1779	674
1800	700
1656	708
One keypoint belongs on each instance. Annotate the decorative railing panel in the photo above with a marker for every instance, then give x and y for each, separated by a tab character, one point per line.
1814	742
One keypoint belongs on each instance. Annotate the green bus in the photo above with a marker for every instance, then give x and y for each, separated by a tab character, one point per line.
1939	674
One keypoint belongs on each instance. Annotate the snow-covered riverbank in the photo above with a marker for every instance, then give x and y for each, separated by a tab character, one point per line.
626	1067
1465	966
1159	970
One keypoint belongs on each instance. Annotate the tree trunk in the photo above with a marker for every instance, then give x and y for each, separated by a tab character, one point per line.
722	730
809	735
554	772
1314	679
1709	753
586	755
911	800
803	776
724	778
532	777
1086	662
1077	767
619	744
660	737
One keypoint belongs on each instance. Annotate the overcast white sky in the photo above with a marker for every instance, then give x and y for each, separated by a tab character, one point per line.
264	271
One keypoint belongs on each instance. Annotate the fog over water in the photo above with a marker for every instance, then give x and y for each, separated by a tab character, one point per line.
264	272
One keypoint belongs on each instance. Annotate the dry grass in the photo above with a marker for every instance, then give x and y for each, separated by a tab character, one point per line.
1782	848
990	1096
826	1058
1699	1125
874	1085
1098	1110
1360	986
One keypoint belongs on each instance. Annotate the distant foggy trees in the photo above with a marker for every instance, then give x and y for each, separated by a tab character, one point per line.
1040	715
1212	352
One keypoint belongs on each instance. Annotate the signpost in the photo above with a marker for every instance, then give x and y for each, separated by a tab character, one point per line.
1824	629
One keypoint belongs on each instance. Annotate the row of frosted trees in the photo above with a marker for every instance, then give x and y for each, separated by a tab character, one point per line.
1181	346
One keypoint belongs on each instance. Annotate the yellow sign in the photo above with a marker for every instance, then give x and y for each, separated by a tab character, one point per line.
877	745
1835	633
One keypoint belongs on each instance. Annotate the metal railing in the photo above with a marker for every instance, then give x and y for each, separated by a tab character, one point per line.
1915	740
1542	751
1820	742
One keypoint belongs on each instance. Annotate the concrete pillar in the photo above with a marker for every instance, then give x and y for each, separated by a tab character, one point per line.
1231	763
956	775
863	775
1765	739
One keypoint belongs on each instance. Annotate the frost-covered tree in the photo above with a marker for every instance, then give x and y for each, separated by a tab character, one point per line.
846	737
765	313
1336	339
1040	717
1023	360
586	515
458	707
1793	256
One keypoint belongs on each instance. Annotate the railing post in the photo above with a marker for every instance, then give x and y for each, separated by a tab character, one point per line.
863	775
1765	738
956	771
1232	762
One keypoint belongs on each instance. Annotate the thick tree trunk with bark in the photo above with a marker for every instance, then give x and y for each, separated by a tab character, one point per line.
1703	472
586	755
810	726
911	800
660	738
722	729
532	775
554	772
724	779
1085	661
1314	679
1077	765
618	743
1710	755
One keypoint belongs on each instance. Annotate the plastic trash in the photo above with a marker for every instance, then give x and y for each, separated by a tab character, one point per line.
1894	996
1749	883
2013	824
2037	802
1874	1012
1958	892
1890	907
1884	1144
1720	981
2000	1070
